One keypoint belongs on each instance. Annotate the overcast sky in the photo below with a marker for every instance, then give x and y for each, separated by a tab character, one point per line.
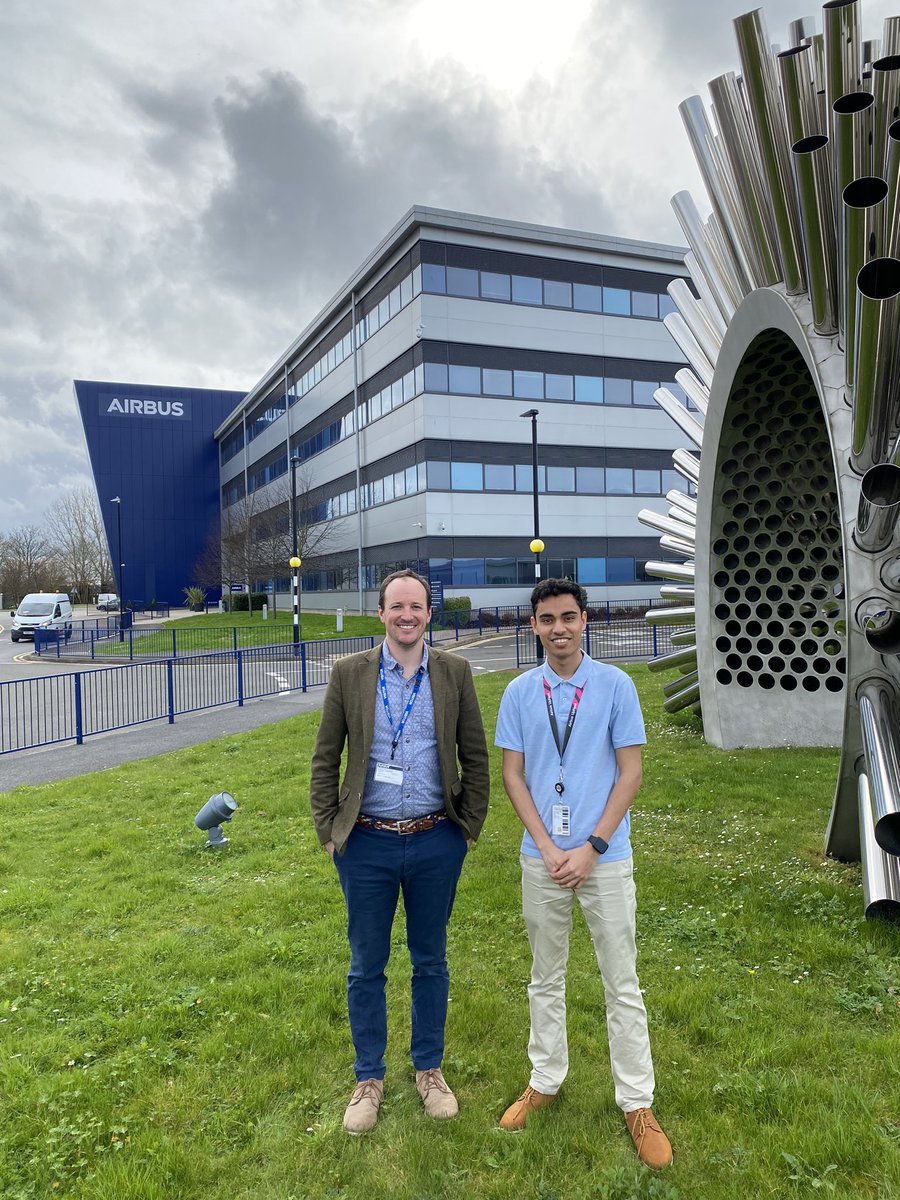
184	183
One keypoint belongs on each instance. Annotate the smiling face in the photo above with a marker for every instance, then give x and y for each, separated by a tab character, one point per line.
405	615
560	623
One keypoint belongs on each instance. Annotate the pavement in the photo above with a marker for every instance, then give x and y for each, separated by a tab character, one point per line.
100	752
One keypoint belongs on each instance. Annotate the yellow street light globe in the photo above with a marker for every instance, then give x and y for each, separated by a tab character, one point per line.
536	546
295	562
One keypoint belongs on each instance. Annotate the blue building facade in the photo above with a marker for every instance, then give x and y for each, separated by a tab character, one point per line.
153	448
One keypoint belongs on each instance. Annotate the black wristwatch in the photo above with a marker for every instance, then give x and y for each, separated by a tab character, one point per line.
598	843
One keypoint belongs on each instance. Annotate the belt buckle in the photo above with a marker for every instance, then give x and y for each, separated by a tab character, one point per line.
406	821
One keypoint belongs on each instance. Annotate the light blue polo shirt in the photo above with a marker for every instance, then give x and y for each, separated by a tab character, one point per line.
609	717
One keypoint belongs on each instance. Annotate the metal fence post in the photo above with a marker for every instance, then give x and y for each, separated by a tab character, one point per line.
174	643
79	718
234	637
93	643
587	637
456	624
130	644
170	686
303	666
655	649
239	659
497	619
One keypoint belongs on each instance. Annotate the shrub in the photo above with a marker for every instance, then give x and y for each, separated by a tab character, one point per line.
239	601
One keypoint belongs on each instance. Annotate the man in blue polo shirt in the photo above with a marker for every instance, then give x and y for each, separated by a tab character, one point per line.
571	731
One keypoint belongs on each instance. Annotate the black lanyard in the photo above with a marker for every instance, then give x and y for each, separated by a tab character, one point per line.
570	724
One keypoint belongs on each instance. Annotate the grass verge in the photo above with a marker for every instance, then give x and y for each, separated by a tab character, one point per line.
172	1022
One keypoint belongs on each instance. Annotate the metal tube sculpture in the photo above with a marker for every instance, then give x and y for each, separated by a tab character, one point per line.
784	559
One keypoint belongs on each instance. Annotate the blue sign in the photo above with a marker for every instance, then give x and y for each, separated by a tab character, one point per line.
437	593
237	587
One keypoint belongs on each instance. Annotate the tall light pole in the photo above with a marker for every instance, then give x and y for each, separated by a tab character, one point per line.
295	556
117	501
536	545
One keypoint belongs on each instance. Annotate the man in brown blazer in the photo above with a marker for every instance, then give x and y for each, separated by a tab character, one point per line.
413	799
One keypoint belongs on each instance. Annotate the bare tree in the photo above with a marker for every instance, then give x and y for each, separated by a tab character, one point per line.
75	531
27	563
255	541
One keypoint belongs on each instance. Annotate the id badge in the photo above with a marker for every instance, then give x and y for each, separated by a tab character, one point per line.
560	820
389	773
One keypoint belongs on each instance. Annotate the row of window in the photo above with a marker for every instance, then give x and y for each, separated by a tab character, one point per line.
478	572
499	477
466	282
544	293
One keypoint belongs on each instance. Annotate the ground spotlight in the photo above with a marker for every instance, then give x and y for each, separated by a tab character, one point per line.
217	809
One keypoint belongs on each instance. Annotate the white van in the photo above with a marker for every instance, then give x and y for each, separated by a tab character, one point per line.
41	610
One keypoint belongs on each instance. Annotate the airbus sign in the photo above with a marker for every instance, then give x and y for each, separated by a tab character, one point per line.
143	406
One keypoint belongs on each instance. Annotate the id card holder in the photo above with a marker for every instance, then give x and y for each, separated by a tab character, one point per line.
389	773
560	820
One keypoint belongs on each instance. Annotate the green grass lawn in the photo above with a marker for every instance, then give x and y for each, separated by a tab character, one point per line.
172	1021
314	626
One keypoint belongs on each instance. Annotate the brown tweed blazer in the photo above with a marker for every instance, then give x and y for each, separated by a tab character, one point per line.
348	716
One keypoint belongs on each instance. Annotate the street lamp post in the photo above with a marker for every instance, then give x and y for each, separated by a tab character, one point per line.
536	545
295	556
117	501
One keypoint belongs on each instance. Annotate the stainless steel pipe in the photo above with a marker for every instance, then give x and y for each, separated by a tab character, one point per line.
694	314
684	637
892	180
676	591
655	520
675	685
720	186
682	699
811	173
683	501
878	720
862	239
890	37
886	90
843	50
686	422
675	658
693	389
692	227
874	423
798	92
764	103
686	464
676	545
670	570
706	294
879	508
880	871
853	126
736	138
676	615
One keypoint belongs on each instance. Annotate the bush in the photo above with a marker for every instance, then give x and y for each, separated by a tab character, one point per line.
239	601
195	597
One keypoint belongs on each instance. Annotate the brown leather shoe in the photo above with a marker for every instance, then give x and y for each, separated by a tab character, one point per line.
516	1115
362	1112
652	1145
437	1098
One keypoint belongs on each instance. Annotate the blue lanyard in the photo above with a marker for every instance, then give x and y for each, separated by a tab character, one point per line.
397	734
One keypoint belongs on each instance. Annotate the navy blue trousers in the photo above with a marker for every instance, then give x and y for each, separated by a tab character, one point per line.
374	869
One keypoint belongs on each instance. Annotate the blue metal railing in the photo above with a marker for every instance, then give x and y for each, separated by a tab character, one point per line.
60	708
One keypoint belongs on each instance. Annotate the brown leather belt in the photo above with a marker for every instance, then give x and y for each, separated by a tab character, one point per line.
400	825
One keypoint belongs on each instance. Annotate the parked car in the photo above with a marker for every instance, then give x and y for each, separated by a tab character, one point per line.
41	610
108	602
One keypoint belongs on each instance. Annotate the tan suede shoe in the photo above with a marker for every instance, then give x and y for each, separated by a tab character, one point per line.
362	1112
437	1098
516	1115
652	1145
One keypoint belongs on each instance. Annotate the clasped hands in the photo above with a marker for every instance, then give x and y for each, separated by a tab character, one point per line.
569	868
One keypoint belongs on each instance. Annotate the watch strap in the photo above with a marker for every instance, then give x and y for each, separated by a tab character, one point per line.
598	843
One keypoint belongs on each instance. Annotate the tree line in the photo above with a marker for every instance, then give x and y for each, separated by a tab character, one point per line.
67	552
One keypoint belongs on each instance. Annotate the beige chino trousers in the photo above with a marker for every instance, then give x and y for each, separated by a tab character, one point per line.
607	899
